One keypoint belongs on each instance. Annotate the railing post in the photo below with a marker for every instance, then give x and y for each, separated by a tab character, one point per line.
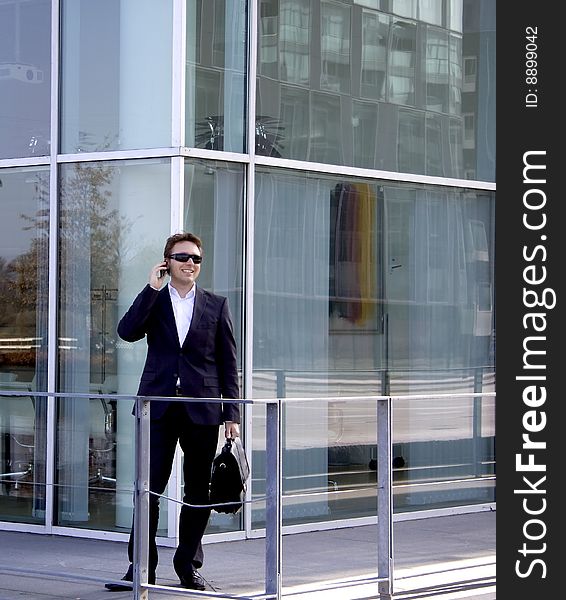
273	508
384	500
476	422
141	501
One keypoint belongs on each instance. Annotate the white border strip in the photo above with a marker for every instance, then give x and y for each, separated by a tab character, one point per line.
324	168
372	520
213	538
219	155
266	161
178	73
25	162
119	155
248	242
53	278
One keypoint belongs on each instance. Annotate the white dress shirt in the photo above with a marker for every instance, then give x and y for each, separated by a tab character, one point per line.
183	310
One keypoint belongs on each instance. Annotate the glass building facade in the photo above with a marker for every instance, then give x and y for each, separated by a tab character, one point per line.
337	157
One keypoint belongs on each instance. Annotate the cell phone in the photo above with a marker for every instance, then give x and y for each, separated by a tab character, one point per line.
163	272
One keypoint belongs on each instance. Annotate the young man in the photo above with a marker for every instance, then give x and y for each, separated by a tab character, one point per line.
191	352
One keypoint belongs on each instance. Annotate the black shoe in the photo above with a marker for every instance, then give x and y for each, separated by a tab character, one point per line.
118	587
193	581
127	585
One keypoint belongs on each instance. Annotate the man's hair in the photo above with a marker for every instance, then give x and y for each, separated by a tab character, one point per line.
181	237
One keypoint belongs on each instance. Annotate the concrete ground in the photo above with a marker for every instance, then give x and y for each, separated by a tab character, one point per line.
449	557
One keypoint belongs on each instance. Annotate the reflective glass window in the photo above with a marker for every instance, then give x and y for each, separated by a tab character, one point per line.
294	105
25	78
365	288
405	8
455	80
430	11
24	262
335	47
402	72
269	39
113	222
411	145
295	42
116	74
318	60
437	69
434	150
365	131
455	9
375	43
213	209
215	74
325	143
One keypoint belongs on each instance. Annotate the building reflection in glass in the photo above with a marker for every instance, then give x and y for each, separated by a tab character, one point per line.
348	82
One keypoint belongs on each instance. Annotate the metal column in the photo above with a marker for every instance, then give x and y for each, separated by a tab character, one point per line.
273	508
141	501
384	500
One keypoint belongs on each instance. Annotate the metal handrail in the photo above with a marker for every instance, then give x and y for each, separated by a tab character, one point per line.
273	497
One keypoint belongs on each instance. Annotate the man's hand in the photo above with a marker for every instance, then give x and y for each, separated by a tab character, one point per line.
157	275
231	429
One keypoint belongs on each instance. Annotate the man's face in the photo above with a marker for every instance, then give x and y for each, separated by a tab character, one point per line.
184	274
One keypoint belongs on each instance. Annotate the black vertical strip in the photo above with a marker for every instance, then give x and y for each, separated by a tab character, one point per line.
530	268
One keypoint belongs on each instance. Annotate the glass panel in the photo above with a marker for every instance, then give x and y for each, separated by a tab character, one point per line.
24	262
365	134
405	8
116	74
329	460
215	74
335	47
25	78
443	455
455	80
434	150
478	88
295	42
456	142
436	70
371	3
269	38
213	209
411	145
430	11
338	54
317	329
441	249
114	219
326	146
375	42
295	108
456	9
323	326
443	452
402	62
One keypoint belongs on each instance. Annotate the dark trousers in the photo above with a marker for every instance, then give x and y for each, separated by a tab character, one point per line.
199	444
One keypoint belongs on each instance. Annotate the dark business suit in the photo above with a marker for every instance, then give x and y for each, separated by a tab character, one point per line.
205	365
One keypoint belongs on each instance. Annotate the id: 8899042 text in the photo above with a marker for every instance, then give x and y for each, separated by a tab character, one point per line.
531	67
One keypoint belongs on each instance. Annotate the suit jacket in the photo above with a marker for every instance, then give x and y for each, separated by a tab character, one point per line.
205	363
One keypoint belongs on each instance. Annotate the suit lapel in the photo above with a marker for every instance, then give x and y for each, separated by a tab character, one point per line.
198	310
167	314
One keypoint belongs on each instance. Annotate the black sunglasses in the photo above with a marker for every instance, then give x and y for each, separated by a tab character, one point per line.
184	257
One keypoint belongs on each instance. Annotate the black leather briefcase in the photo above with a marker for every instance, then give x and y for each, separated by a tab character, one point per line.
228	481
